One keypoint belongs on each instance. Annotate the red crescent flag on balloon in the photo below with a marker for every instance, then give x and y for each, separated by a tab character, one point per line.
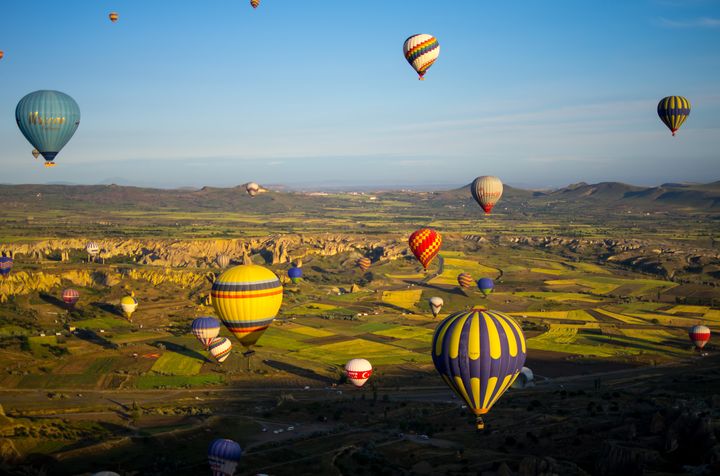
425	244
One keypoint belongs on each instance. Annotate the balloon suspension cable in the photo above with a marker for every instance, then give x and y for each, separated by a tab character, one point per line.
480	423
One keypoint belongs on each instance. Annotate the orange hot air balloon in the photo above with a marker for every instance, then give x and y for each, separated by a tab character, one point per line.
425	244
465	280
364	263
254	3
113	16
2	53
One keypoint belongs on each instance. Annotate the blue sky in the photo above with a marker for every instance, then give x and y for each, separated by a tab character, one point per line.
317	92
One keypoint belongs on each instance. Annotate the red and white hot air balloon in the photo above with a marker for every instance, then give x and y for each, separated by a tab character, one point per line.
699	335
358	371
70	297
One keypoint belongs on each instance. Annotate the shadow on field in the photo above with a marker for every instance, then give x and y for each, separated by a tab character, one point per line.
109	308
299	371
182	350
453	290
50	299
94	338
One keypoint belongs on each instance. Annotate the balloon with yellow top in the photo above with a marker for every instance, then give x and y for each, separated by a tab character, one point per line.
128	305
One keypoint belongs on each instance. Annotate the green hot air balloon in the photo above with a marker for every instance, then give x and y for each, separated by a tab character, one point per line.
48	119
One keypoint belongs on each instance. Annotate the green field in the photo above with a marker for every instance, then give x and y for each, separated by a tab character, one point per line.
175	381
172	363
377	353
404	299
455	266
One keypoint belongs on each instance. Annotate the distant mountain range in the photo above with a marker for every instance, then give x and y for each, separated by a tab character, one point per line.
604	195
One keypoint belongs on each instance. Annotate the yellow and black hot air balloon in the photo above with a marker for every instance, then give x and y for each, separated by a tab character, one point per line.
247	298
114	17
479	354
2	54
254	3
673	110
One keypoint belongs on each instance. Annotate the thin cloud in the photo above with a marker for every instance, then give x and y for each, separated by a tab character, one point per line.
703	22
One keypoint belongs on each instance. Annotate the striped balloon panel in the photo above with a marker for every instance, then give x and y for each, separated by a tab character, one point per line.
254	3
486	190
425	244
220	348
465	280
699	335
479	354
92	248
223	456
6	265
48	120
673	110
70	296
247	298
364	263
205	329
421	51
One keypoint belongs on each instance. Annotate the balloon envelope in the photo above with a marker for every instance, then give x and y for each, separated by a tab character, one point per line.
421	51
295	274
205	329
92	248
35	153
358	371
224	456
128	305
364	264
254	3
6	265
425	244
2	54
113	16
479	354
252	189
486	190
48	120
673	110
485	285
465	280
220	348
70	297
699	335
223	260
436	303
247	298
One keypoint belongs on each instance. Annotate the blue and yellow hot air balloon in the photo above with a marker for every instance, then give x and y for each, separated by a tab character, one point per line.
295	274
6	265
247	298
673	110
479	354
486	285
48	120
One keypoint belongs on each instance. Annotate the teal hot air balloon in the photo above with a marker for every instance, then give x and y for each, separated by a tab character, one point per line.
48	120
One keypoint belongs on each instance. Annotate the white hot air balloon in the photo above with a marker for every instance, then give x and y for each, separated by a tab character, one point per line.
421	51
436	303
220	348
252	189
358	371
486	190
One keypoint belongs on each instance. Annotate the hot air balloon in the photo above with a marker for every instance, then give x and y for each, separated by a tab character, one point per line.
220	348
525	379
479	354
92	248
485	285
673	110
70	297
35	153
128	305
254	3
364	263
223	260
252	189
421	51
358	371
48	119
425	244
699	335
436	303
6	264
113	16
486	190
295	274
247	298
2	54
465	280
205	329
224	456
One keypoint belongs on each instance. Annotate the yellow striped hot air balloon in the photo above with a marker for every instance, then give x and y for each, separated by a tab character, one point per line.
254	3
673	110
479	354
247	298
128	305
113	16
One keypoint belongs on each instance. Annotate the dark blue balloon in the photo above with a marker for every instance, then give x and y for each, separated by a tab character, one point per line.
224	456
295	272
6	265
486	285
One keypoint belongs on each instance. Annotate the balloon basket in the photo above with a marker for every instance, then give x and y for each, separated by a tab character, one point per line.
50	164
479	424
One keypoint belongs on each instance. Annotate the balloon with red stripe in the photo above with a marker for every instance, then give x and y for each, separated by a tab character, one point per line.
358	371
247	298
70	297
465	280
364	264
425	244
421	51
699	335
